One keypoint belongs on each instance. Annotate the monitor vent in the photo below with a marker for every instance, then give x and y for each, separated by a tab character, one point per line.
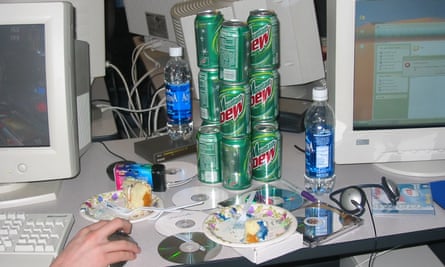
191	7
184	9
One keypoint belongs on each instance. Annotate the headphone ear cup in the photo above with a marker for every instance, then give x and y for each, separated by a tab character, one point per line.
391	190
352	200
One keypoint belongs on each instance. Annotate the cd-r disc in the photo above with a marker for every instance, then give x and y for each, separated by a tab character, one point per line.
279	197
179	172
188	248
210	195
184	221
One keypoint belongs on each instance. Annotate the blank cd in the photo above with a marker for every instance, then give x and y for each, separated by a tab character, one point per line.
179	172
188	248
210	195
279	197
184	221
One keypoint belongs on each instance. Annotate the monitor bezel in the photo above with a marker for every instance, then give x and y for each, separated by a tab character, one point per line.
60	159
367	146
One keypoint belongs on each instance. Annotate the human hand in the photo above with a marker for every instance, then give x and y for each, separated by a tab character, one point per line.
90	247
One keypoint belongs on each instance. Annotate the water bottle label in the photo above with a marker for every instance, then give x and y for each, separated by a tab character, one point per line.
179	104
320	155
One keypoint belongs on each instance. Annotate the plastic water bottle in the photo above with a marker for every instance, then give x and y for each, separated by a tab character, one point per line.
319	122
178	96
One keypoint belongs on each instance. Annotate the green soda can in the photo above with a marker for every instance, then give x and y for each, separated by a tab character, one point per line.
266	152
234	51
208	84
209	154
265	40
234	103
264	89
207	27
236	168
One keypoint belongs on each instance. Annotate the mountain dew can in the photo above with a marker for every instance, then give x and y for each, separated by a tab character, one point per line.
234	51
266	152
236	165
207	27
264	89
208	84
265	40
209	154
234	104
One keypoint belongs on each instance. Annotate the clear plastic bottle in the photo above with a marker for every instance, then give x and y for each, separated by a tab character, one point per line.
319	123
178	93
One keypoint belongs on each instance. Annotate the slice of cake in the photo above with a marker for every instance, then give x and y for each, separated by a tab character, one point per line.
137	193
256	230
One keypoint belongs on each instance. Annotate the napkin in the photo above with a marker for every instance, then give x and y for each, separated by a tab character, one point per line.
268	252
438	192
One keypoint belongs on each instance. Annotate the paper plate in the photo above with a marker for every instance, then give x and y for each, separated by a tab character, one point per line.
94	210
219	225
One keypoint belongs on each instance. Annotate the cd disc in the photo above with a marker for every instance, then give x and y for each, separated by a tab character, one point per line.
270	195
210	195
179	172
279	197
185	221
188	248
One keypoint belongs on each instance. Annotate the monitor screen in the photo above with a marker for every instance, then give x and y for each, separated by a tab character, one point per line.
386	70
399	64
24	107
38	114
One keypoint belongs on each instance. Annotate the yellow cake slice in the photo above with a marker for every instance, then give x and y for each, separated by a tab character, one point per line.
137	193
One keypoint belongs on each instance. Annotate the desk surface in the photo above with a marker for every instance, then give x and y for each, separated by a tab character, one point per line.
392	230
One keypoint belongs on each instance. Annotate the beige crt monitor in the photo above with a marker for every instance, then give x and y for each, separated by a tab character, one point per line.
386	76
39	142
171	22
300	48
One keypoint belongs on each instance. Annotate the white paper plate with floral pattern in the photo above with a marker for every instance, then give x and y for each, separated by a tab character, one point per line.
94	209
280	224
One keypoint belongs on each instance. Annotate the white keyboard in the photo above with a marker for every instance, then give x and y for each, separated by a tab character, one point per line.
28	239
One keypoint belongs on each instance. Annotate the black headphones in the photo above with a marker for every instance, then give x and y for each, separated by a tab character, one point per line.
352	199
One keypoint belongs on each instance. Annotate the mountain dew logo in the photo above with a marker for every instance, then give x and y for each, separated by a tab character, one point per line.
261	92
232	108
264	155
260	39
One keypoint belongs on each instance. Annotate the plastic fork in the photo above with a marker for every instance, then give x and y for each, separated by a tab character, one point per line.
128	212
242	219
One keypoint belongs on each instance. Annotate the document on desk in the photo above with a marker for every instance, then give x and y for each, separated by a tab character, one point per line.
262	254
415	198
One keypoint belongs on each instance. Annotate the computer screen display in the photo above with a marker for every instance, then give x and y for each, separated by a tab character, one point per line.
399	64
23	105
385	73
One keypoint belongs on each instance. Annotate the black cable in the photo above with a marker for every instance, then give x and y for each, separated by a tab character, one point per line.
112	153
299	149
373	254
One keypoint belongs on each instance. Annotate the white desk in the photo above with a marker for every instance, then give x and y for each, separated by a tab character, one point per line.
392	230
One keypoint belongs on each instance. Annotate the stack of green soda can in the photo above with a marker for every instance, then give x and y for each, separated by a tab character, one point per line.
239	84
234	102
207	28
264	82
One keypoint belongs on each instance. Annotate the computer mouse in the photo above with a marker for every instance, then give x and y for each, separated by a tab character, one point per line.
119	235
110	168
